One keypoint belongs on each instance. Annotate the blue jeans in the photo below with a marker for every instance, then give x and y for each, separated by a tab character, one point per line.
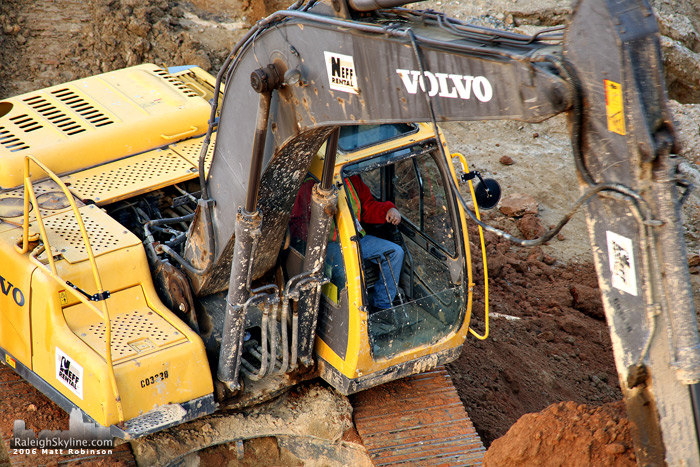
384	289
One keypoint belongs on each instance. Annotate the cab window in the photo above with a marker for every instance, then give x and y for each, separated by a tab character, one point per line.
356	137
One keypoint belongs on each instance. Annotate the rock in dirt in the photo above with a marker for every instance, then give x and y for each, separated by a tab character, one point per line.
518	204
587	300
506	160
530	226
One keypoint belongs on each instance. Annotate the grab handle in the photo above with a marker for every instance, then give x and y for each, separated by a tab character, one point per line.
192	129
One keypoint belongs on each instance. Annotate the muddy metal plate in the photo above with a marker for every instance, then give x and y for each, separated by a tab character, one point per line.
136	329
191	148
419	421
131	176
105	234
13	206
51	201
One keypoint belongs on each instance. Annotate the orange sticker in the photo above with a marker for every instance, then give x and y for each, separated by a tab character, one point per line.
614	107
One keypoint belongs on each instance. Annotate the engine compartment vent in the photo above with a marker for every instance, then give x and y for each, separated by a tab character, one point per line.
54	115
25	122
82	107
182	87
10	141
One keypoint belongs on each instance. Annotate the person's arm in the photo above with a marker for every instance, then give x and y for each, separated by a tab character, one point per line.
373	211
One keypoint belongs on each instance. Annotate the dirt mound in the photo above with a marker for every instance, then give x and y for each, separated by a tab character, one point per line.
546	344
567	434
47	43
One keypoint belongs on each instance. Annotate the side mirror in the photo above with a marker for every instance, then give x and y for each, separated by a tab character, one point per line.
487	191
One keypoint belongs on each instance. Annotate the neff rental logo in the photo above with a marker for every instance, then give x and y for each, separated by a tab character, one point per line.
69	373
341	72
10	290
447	85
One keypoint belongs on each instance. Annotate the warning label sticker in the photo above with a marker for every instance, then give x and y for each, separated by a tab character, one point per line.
614	107
341	72
622	268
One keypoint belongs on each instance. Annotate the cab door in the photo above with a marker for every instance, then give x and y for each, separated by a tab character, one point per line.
433	296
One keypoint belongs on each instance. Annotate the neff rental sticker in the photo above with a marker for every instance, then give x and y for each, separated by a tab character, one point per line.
69	373
341	72
447	85
621	254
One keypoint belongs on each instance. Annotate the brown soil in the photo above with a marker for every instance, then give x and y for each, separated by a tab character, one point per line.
20	401
556	349
567	434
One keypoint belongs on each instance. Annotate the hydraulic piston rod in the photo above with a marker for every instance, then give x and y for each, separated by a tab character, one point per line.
248	222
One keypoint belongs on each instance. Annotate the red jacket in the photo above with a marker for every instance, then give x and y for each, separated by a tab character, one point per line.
371	210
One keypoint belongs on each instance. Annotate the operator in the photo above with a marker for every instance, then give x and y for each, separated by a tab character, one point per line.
364	209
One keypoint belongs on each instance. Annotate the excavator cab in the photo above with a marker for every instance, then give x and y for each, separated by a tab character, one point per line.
431	294
429	312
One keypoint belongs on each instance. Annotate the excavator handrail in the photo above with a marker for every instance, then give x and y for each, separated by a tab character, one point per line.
53	273
465	168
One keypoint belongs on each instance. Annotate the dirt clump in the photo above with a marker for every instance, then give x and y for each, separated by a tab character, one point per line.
530	226
587	300
567	434
518	204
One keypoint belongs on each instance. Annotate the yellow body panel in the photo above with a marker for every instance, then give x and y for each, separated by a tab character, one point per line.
125	273
157	359
359	361
84	123
15	327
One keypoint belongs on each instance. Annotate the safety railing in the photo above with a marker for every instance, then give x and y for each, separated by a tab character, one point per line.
53	272
465	169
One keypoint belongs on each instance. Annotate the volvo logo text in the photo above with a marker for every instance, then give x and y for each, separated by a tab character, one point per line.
447	85
8	289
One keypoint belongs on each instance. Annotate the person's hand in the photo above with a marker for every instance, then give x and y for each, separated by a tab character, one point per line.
393	216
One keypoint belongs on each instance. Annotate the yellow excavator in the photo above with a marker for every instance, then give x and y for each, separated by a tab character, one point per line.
156	268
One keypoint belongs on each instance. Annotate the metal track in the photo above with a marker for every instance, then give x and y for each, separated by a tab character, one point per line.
419	420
